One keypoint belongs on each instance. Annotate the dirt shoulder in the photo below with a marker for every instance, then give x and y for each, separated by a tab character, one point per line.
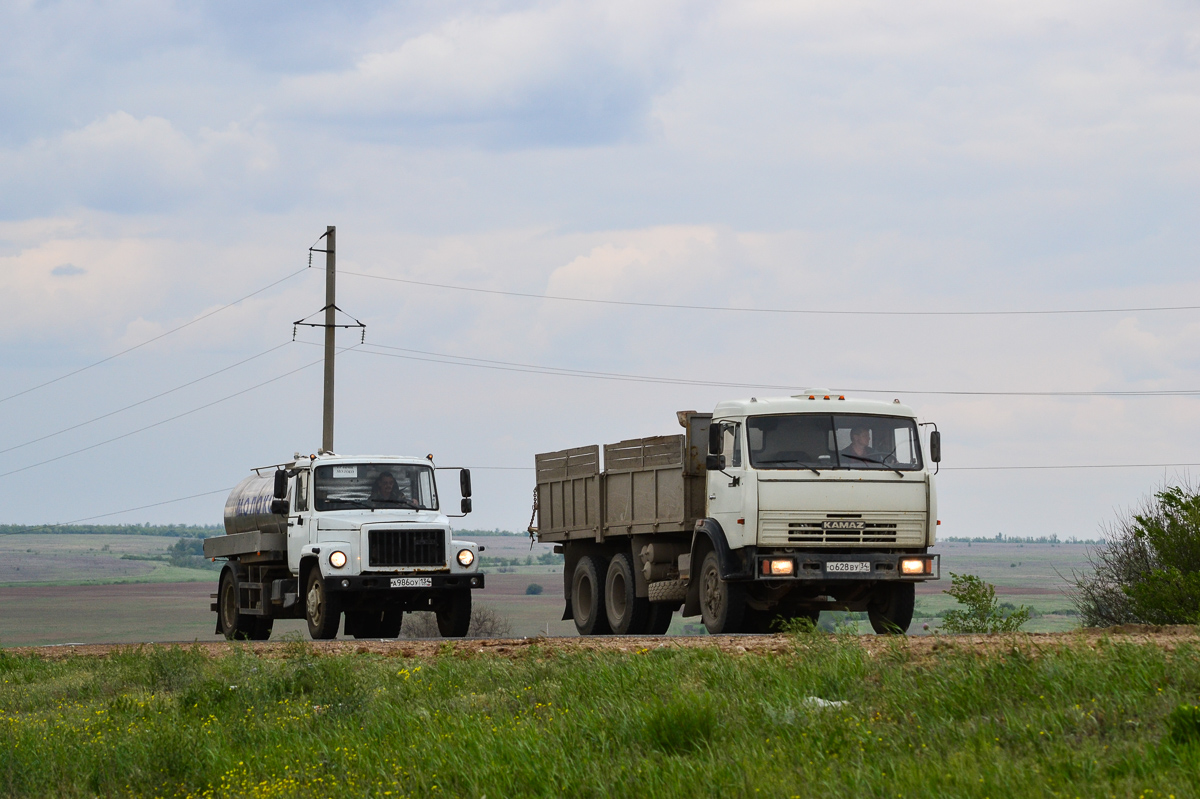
917	646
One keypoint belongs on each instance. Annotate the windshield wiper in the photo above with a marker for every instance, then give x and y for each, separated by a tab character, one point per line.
357	502
872	460
793	463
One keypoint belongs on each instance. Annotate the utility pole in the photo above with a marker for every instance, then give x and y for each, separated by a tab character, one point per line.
330	331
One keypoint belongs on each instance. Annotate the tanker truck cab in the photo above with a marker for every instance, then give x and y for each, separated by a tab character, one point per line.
327	535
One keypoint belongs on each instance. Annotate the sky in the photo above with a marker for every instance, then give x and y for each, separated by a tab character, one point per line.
161	161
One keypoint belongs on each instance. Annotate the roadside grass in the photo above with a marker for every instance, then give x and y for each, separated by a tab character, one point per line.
1069	720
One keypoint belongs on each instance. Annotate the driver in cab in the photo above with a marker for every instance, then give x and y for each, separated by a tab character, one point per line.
386	492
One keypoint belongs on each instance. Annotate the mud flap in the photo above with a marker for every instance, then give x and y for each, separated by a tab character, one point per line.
691	605
569	614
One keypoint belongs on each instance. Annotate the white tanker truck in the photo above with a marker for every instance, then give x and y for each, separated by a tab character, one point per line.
326	535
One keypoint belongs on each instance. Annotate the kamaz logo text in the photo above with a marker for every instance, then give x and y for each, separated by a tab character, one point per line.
844	524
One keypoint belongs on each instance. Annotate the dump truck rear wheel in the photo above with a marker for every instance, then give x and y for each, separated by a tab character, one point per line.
454	616
722	604
587	597
627	612
891	608
322	610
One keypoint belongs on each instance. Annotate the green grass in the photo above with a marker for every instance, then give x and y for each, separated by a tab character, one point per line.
1067	721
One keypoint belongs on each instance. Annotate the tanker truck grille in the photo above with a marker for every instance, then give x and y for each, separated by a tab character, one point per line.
407	548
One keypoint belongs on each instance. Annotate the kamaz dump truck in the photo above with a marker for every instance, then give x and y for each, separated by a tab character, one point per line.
765	509
326	536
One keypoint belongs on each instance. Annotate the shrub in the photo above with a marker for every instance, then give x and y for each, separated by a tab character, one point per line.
1148	571
486	622
980	613
533	589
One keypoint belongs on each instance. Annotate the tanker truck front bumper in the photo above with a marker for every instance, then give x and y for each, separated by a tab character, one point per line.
396	582
847	566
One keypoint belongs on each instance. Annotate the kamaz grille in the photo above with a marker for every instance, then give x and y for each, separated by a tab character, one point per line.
872	533
407	548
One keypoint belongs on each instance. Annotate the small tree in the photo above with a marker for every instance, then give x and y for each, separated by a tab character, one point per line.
980	613
533	589
1148	571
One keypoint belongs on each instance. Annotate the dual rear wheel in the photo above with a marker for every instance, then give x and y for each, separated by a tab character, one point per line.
604	599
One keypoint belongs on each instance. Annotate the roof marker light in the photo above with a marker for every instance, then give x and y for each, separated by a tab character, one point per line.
842	397
810	396
826	396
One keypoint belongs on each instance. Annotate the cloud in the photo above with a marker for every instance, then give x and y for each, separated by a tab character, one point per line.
559	74
129	165
67	270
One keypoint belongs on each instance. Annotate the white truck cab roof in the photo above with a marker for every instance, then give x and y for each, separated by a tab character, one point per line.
811	401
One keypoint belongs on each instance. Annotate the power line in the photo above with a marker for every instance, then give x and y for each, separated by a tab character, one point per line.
528	368
802	311
1077	466
161	422
142	507
141	402
151	340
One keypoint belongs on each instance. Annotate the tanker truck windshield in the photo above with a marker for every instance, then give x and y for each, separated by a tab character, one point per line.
374	486
818	441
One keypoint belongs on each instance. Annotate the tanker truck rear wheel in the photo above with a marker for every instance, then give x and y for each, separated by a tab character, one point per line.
587	596
627	612
322	609
236	625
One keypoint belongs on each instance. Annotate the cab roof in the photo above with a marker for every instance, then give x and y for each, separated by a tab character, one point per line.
811	401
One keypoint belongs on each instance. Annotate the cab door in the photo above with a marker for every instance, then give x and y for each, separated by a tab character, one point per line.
301	524
727	488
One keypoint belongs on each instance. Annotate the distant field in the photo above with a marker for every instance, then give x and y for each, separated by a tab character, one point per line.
77	588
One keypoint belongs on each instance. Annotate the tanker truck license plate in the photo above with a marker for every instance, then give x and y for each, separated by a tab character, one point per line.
848	566
412	582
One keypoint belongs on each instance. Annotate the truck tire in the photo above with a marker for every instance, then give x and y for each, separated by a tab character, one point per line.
669	591
237	626
454	614
891	608
322	609
659	619
722	604
627	612
374	623
587	597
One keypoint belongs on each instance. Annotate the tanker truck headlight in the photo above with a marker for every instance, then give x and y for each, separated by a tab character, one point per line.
913	566
465	558
337	559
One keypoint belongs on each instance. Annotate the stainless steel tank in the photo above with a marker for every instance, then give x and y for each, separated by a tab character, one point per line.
249	507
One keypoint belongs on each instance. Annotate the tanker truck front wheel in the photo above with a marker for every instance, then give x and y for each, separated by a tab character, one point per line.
322	609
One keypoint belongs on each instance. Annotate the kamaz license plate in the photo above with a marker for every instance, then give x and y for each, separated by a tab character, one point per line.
412	582
844	566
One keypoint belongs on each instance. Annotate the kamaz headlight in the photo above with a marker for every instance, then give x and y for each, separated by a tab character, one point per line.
337	559
465	558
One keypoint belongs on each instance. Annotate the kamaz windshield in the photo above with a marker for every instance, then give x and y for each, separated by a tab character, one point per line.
375	486
818	441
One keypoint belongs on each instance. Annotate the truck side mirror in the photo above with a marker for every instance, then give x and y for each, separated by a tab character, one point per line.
464	483
464	507
279	507
714	463
935	447
714	441
281	479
